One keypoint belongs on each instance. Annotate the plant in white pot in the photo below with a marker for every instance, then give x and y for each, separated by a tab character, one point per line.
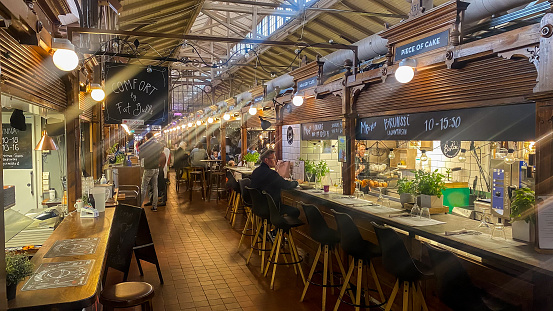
523	219
429	186
251	158
406	190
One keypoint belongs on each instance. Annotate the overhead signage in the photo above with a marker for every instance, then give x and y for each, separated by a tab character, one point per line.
326	130
307	83
423	45
136	93
17	147
450	148
511	122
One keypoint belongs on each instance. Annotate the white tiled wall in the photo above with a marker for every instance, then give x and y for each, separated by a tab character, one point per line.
312	150
291	152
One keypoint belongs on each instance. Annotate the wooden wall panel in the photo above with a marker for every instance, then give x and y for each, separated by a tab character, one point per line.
485	82
28	73
327	108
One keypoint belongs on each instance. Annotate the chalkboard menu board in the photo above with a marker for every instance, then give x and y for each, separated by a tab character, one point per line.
321	130
511	122
17	146
136	94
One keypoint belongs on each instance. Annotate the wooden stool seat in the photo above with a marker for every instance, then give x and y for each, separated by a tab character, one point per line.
128	294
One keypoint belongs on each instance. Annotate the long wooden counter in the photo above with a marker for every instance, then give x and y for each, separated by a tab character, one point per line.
491	262
71	297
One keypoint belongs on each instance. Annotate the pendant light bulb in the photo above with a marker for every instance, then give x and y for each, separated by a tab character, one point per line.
510	158
226	116
64	57
406	70
198	123
190	124
462	157
97	93
424	157
297	100
391	155
210	120
252	111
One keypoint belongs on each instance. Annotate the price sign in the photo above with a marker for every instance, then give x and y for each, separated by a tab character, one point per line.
17	147
136	93
511	122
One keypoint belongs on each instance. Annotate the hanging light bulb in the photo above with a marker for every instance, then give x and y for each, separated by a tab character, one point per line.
462	157
252	110
297	100
64	57
97	92
210	120
261	136
510	158
226	116
391	155
198	122
406	70
424	157
190	124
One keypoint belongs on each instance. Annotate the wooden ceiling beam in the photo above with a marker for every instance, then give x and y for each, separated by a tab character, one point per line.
173	6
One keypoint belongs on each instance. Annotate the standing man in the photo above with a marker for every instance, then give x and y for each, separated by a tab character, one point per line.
151	152
266	178
164	180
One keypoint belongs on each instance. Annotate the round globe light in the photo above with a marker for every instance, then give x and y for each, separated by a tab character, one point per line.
404	74
252	111
98	94
198	122
297	100
210	120
65	60
226	116
190	124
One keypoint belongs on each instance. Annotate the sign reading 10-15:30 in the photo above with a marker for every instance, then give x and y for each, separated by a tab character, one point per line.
443	123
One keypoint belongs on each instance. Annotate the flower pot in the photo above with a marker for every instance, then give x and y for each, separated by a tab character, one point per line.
11	290
431	201
523	231
406	198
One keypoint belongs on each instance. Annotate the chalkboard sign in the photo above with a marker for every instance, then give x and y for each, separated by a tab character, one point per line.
511	122
17	146
136	94
321	130
451	148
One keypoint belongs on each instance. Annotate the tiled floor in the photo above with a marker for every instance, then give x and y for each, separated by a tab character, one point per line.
202	268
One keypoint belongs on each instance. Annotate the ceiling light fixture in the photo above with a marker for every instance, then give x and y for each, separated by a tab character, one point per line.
97	92
210	120
64	57
226	116
252	110
406	70
297	100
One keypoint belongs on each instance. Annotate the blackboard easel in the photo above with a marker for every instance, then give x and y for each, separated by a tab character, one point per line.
130	233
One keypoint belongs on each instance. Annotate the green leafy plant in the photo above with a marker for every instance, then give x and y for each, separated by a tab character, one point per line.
448	172
18	267
429	183
251	157
405	186
114	148
309	166
523	204
321	168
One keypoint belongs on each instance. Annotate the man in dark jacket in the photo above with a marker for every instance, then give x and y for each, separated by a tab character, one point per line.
267	179
151	152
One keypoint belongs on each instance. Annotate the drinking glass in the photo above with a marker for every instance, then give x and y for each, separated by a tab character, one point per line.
425	213
415	211
380	200
309	175
498	228
485	216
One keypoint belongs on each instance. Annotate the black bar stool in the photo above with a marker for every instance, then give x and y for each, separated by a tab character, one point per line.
247	203
260	209
327	238
362	252
182	176
126	295
283	224
399	263
216	179
197	176
455	289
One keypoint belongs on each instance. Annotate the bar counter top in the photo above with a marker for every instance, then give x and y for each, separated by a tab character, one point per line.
508	255
71	297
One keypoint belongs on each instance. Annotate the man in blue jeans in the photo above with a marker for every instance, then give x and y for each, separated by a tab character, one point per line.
150	151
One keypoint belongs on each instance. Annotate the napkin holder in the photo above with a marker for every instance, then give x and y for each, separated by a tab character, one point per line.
89	212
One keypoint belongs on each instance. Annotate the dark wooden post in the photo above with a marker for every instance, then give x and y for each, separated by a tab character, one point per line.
73	132
223	135
348	120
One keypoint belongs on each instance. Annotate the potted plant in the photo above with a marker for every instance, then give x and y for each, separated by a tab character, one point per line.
251	158
406	190
429	186
321	169
18	267
310	169
523	219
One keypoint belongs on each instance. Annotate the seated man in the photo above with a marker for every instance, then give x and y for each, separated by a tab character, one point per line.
267	179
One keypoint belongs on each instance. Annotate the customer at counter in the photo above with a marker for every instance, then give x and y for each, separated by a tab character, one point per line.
197	155
267	179
151	151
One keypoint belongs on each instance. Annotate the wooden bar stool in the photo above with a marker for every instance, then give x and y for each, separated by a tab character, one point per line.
126	295
197	176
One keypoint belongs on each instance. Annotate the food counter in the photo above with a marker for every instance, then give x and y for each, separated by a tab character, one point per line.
509	269
92	235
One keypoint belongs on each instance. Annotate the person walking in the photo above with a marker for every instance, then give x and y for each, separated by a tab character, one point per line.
151	151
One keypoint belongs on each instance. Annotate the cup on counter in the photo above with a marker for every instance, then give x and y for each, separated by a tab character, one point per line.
79	205
326	188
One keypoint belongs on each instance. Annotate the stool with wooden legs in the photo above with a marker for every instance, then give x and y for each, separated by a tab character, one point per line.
398	262
249	227
260	210
236	202
197	176
327	239
283	225
234	188
126	295
363	252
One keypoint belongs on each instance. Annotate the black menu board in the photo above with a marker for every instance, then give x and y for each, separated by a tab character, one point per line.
136	95
510	122
321	130
17	146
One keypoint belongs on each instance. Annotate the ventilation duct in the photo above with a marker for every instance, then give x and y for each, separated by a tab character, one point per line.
283	82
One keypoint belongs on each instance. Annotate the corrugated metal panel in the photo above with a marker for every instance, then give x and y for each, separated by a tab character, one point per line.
27	71
327	108
86	103
491	81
